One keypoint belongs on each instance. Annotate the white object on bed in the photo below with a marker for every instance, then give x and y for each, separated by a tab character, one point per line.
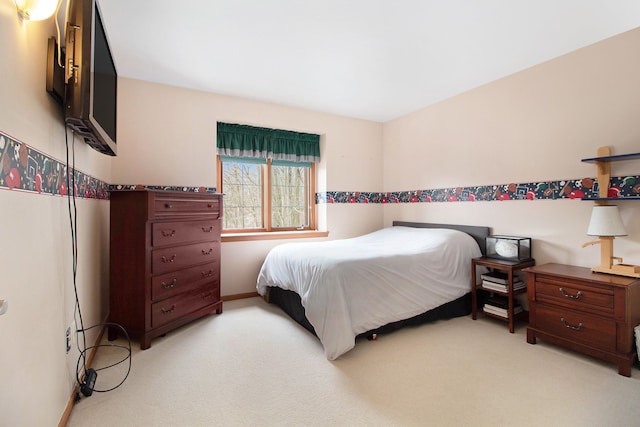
351	286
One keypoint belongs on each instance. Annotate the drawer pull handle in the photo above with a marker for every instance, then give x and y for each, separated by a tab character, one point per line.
209	205
166	260
207	252
566	295
168	310
566	325
168	233
168	206
207	273
169	285
207	230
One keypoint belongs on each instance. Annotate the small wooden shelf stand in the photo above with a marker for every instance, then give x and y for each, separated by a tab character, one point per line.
607	264
509	267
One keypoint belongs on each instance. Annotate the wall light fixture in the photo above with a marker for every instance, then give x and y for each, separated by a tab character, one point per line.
36	10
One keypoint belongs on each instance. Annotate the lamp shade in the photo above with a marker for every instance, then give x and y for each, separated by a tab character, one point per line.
606	221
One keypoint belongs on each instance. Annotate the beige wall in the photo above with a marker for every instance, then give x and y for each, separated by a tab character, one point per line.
36	374
167	137
534	125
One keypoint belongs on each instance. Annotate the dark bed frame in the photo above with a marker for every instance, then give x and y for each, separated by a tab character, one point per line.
291	304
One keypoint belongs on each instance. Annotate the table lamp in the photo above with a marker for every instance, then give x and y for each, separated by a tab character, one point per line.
606	223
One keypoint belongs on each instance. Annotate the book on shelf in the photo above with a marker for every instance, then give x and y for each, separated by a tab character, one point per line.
500	302
495	311
496	276
502	312
500	306
499	277
494	286
502	287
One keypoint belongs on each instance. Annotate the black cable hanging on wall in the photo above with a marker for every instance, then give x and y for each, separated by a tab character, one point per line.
86	377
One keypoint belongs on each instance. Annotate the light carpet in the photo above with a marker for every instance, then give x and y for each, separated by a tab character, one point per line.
253	366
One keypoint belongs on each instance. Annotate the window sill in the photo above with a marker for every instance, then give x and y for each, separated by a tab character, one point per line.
273	235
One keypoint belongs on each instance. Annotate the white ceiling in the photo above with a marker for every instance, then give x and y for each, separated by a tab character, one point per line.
370	59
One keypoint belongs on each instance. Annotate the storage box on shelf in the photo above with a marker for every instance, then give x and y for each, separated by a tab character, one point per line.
509	247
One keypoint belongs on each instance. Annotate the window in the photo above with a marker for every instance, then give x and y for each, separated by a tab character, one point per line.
242	186
266	196
291	195
268	178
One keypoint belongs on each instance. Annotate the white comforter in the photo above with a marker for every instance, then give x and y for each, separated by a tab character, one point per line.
354	285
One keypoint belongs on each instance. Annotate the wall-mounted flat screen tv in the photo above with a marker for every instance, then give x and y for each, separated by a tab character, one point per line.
91	93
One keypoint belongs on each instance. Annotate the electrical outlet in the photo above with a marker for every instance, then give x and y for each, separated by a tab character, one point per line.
71	333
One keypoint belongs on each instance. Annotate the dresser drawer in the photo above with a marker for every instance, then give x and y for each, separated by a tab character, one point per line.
576	326
575	295
187	204
172	233
179	257
167	285
181	305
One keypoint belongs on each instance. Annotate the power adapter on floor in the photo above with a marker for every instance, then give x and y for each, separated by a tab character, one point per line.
90	377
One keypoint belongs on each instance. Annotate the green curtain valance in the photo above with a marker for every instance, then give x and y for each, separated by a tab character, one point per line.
249	141
244	160
292	164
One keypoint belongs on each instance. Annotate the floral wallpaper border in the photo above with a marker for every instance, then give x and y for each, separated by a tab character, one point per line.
24	168
626	187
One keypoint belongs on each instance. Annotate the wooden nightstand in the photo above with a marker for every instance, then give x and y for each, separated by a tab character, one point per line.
592	313
508	267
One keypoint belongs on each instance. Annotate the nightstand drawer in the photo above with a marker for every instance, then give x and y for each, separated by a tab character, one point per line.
575	295
578	327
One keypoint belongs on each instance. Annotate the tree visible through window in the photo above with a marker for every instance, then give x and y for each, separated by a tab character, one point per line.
266	196
290	202
242	186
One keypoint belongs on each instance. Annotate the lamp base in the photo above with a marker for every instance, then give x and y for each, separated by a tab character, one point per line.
627	270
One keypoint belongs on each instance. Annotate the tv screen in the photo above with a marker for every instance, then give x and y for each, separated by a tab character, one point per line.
91	78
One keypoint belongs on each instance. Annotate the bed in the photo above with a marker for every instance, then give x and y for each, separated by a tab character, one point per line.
408	273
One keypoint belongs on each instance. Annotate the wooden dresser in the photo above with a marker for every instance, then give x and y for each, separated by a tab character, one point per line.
164	260
591	313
